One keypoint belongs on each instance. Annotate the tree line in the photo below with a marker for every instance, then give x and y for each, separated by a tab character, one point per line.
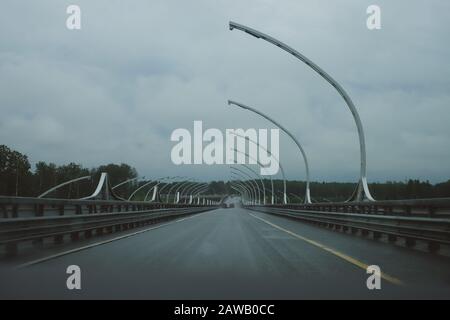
341	191
18	179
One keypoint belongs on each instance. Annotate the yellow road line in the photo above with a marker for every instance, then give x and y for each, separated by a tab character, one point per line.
343	256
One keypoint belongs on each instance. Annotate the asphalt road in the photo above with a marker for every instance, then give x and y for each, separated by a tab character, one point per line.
234	254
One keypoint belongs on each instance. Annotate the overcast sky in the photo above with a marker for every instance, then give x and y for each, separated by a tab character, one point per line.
116	89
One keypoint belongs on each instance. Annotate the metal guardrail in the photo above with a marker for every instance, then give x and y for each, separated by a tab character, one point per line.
435	231
18	207
32	219
417	207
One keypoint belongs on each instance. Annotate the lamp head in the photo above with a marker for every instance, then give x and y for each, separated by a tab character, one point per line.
248	30
237	104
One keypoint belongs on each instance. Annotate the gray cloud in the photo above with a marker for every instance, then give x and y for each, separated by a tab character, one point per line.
116	89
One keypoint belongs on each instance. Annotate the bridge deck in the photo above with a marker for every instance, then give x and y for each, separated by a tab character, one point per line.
235	253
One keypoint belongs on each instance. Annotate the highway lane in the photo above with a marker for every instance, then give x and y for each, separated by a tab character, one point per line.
235	254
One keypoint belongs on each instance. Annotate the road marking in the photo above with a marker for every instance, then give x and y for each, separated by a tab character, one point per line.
28	264
343	256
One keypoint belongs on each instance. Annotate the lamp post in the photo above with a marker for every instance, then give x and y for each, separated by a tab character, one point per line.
279	165
186	188
238	191
123	182
158	181
181	185
259	163
186	191
260	179
198	192
171	187
362	191
156	185
276	159
195	189
246	190
250	179
247	183
250	169
233	187
253	181
198	188
305	159
244	187
242	192
139	189
63	184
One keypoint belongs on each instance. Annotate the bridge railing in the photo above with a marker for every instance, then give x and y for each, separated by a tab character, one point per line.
38	220
426	220
417	207
18	207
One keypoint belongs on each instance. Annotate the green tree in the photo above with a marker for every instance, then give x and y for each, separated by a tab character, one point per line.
15	175
45	176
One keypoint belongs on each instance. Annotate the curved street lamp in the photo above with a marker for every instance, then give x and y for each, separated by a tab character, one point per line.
242	193
63	184
362	190
173	185
238	191
187	191
253	171
249	183
261	165
180	185
198	192
150	190
156	185
191	193
305	159
139	189
123	182
250	179
188	186
198	188
260	179
276	159
246	190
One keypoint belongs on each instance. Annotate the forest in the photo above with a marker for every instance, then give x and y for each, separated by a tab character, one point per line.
17	178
